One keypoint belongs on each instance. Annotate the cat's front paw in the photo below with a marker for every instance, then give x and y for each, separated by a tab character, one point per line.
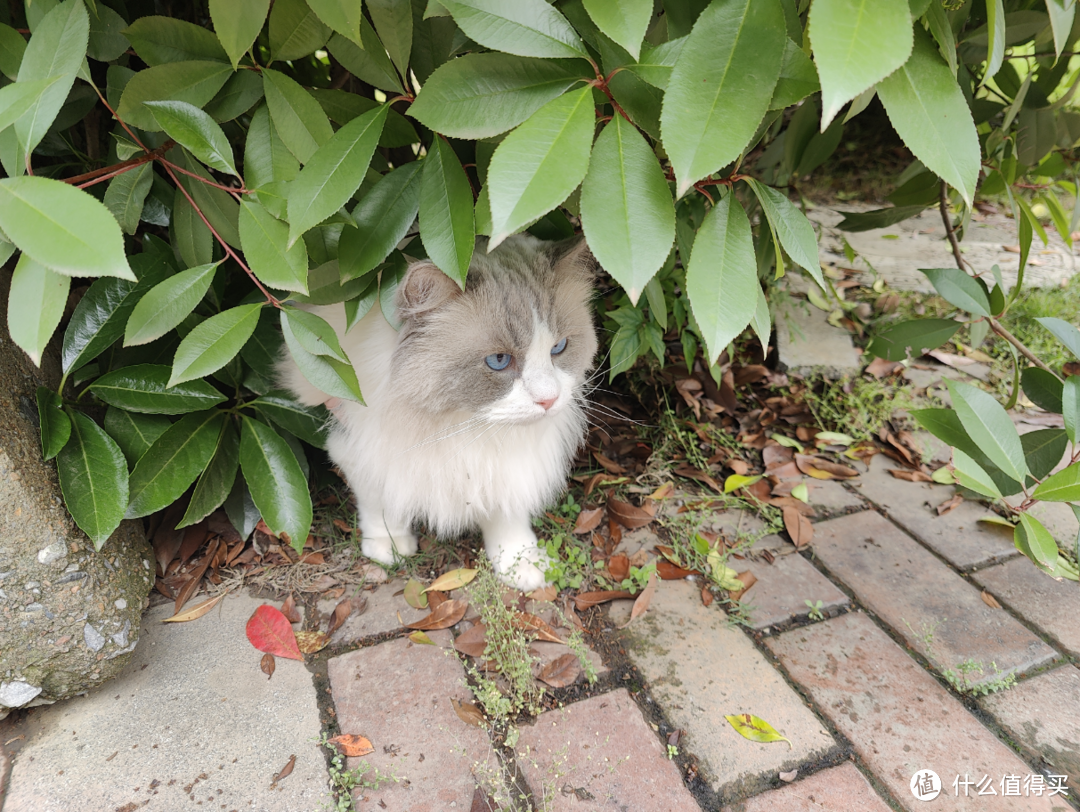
522	568
385	550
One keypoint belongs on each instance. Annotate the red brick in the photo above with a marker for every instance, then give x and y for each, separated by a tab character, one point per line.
600	754
839	789
784	586
899	718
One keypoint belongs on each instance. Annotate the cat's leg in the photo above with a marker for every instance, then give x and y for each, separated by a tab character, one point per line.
383	539
514	552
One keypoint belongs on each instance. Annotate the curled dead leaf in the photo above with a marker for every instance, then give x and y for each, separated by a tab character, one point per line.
588	520
267	664
536	626
706	595
340	615
949	504
641	603
445	615
469	713
286	771
288	608
748	579
608	465
820	468
671	572
562	671
589	599
472	641
663	492
197	611
990	600
797	526
619	567
910	476
349	744
312	642
629	516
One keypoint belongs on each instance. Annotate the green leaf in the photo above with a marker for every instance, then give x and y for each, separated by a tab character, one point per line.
447	226
240	509
126	195
995	29
264	240
219	207
856	43
195	82
1062	13
35	304
524	27
194	130
299	120
217	480
624	21
191	236
626	207
12	48
213	343
144	388
973	477
93	479
334	172
1064	486
172	463
17	98
106	41
62	227
755	729
342	16
1043	388
760	321
481	95
314	334
989	426
160	40
878	218
941	27
326	374
917	337
237	23
56	51
306	422
657	61
1035	541
1064	332
342	107
721	86
276	482
790	225
928	111
1043	450
168	304
368	61
393	20
1070	406
721	279
538	165
959	289
54	423
266	158
383	216
798	78
295	30
133	432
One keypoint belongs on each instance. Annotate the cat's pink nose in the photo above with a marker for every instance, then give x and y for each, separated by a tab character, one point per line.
547	404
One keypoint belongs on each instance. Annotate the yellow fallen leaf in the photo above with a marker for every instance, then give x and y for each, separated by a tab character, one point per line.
422	638
734	482
455	579
801	492
414	594
195	612
664	491
755	729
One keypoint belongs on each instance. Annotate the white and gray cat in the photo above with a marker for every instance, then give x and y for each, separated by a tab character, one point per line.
475	407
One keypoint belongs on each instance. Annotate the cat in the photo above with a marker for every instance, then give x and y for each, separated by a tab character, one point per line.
475	406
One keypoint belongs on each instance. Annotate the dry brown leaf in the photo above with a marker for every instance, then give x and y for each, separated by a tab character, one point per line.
472	641
880	368
990	600
194	537
568	610
950	504
760	490
640	558
445	615
468	713
776	454
349	744
167	538
752	373
641	603
544	594
663	492
700	476
792	502
748	580
288	608
1070	368
267	664
315	559
454	579
820	468
196	575
196	611
789	776
910	476
343	526
706	596
598	480
608	465
286	771
434	599
562	671
619	567
740	467
482	802
588	599
614	534
340	615
671	572
588	520
629	516
311	642
537	626
797	526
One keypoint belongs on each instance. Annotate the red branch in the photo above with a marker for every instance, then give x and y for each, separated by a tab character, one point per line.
124	166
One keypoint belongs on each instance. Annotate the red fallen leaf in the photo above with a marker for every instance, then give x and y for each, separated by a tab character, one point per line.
608	465
748	579
671	572
445	615
311	642
267	664
798	526
641	603
469	713
588	599
288	608
531	624
269	630
588	520
629	516
562	671
286	770
472	641
349	744
619	566
910	476
341	614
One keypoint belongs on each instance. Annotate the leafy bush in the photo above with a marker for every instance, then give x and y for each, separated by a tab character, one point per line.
214	168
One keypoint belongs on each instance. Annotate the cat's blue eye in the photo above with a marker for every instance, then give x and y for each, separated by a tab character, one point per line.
559	347
500	360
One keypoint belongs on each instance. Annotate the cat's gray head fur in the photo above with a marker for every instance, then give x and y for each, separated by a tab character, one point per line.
521	300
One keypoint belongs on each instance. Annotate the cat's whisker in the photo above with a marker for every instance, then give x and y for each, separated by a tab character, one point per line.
606	411
450	431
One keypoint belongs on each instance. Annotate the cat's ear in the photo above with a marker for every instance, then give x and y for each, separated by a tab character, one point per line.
423	289
573	258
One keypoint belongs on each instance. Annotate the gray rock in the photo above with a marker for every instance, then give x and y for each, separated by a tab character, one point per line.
55	583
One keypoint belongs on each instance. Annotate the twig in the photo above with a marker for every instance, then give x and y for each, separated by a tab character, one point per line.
950	232
997	327
230	189
124	166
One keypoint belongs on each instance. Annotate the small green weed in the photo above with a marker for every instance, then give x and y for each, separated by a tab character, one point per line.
815	609
858	407
963	678
343	780
571	564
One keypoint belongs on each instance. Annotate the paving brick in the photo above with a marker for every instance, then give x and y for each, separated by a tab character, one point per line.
1050	606
958	537
398	695
600	751
830	498
807	343
699	668
380	613
939	613
839	789
899	719
784	586
1031	713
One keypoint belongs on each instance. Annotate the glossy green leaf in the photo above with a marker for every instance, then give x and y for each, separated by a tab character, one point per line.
173	462
856	43
295	30
168	304
626	207
798	78
946	426
855	221
56	51
195	82
1034	540
1043	388
144	388
334	172
524	27
298	119
218	206
213	343
35	304
791	227
93	479
134	432
126	195
326	374
1043	450
1062	13
360	306
342	16
721	279
196	131
624	21
242	91
62	227
342	107
447	226
266	158
383	217
277	484
1070	406
12	48
972	476
995	29
914	337
990	427
393	20
721	86
264	240
241	510
216	482
1064	332
237	23
368	61
160	40
106	42
191	236
309	423
1064	486
314	334
760	322
16	99
656	62
538	165
959	289
53	421
928	111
